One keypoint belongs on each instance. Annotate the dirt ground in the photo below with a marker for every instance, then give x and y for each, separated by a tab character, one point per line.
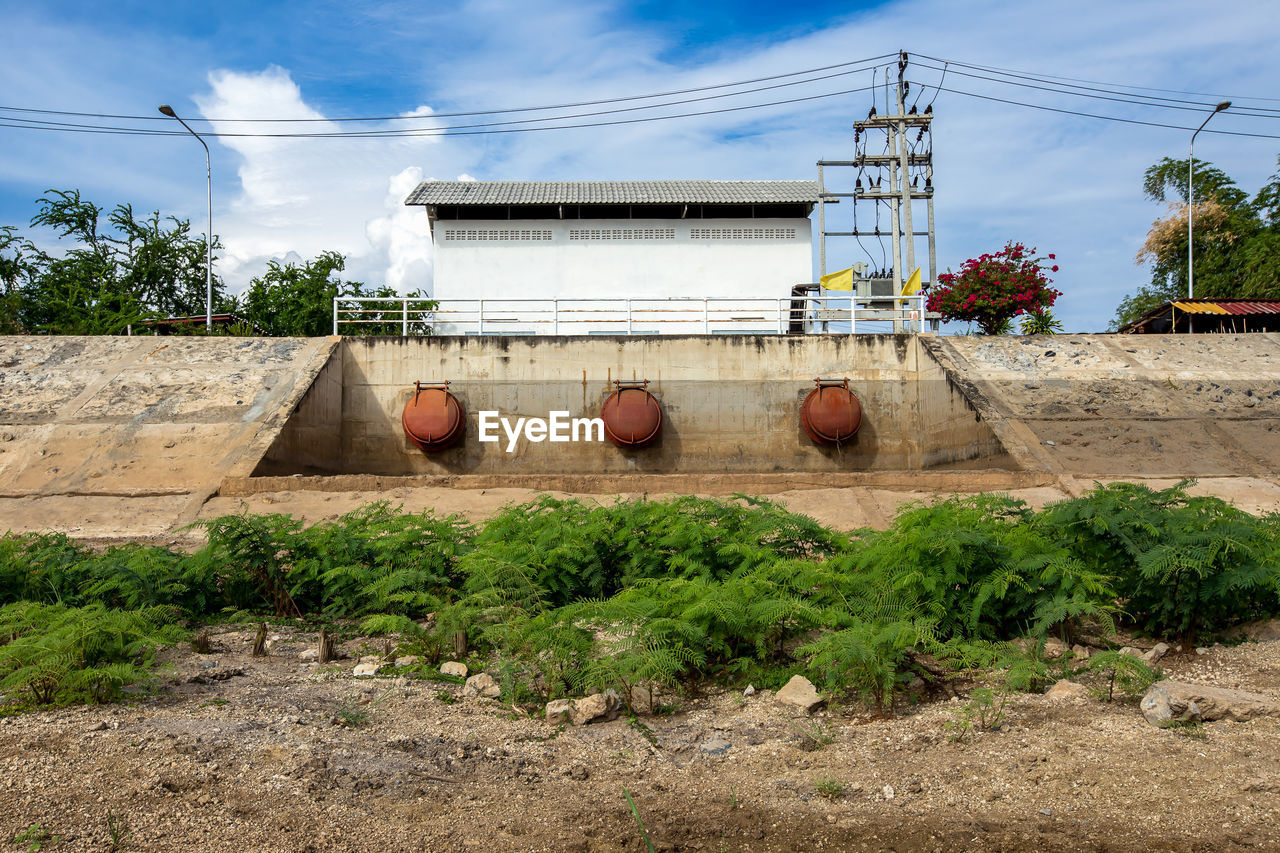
231	752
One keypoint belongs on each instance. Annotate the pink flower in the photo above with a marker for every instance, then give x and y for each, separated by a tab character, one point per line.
1054	268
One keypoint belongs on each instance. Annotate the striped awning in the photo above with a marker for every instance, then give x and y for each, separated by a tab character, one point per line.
1228	306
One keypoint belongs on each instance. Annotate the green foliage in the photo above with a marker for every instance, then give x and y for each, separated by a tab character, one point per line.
1120	670
829	787
1040	322
993	288
984	712
635	813
1237	239
35	837
291	300
59	654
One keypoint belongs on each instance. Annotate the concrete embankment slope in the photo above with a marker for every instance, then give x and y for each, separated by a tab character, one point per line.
1087	407
100	434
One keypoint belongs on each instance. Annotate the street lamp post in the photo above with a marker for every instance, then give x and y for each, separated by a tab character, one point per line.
1191	197
208	237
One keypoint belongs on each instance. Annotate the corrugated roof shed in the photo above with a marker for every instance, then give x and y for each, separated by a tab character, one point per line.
612	192
1170	315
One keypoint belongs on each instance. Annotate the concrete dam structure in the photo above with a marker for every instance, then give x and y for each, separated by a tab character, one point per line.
100	435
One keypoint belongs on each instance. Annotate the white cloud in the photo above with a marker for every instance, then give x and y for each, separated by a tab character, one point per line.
313	195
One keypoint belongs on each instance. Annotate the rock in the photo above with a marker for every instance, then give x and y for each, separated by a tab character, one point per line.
1262	631
1054	648
1080	652
408	660
1202	650
364	670
481	684
1262	785
1176	701
715	746
800	692
1067	691
558	710
643	700
1158	651
1131	651
308	655
887	790
750	691
597	707
453	667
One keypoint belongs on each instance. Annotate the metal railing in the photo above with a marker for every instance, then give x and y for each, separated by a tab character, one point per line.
631	316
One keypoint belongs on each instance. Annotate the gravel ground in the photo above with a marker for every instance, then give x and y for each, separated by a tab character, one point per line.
231	752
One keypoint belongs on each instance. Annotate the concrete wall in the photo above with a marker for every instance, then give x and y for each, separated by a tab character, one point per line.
731	405
582	259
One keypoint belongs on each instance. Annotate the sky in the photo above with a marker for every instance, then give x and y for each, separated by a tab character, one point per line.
1066	184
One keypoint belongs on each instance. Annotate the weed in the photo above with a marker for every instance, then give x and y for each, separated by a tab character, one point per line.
830	788
983	713
351	715
635	813
118	831
815	735
1192	729
733	798
645	732
1124	671
446	697
215	703
35	837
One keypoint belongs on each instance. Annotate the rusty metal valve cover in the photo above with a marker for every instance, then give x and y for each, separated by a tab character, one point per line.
632	416
831	414
433	418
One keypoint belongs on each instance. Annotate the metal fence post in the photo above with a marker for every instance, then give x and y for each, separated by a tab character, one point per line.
480	318
335	315
404	322
555	317
628	316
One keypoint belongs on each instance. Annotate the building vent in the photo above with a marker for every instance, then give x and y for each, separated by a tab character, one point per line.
742	233
511	234
622	234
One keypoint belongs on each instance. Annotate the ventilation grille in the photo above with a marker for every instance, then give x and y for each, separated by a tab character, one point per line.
622	234
521	234
742	233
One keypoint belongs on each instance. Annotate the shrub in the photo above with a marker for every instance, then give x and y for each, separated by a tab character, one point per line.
992	289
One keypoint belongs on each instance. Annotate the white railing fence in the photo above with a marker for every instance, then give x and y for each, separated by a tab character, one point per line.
635	316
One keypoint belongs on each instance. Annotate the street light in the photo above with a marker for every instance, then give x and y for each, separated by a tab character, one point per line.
208	237
1191	197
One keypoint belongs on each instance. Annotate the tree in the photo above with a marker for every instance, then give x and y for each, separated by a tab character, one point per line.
992	289
1237	239
289	300
118	272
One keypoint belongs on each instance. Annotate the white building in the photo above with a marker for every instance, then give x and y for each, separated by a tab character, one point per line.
583	257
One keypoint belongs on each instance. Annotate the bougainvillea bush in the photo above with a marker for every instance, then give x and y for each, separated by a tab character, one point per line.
992	289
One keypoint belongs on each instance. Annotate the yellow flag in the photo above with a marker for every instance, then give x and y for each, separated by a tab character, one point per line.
912	287
842	280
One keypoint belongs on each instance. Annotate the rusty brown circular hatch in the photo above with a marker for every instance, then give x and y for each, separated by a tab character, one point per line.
831	414
433	417
632	416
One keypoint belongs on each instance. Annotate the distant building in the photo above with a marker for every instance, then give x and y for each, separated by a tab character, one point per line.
1206	316
563	242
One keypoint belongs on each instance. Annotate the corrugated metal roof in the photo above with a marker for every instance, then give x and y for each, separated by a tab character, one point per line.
613	192
1228	306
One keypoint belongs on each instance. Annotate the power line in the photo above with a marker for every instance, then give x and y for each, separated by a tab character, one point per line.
484	112
1109	118
1142	100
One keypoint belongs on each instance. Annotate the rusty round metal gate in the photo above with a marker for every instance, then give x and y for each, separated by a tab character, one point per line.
831	414
433	418
632	416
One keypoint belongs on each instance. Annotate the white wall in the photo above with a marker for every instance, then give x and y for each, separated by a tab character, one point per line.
637	258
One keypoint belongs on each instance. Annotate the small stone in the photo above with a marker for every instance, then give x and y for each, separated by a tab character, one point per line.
597	707
363	670
481	684
1052	443
1067	691
887	790
715	746
642	700
308	655
1080	652
1046	812
750	691
800	692
1202	650
408	660
1158	651
1054	648
453	667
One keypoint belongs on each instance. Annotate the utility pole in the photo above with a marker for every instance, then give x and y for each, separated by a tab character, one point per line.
905	161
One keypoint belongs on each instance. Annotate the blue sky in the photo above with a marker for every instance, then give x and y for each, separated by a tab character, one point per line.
1066	184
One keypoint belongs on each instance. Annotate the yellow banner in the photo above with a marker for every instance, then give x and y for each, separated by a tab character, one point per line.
842	280
912	287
